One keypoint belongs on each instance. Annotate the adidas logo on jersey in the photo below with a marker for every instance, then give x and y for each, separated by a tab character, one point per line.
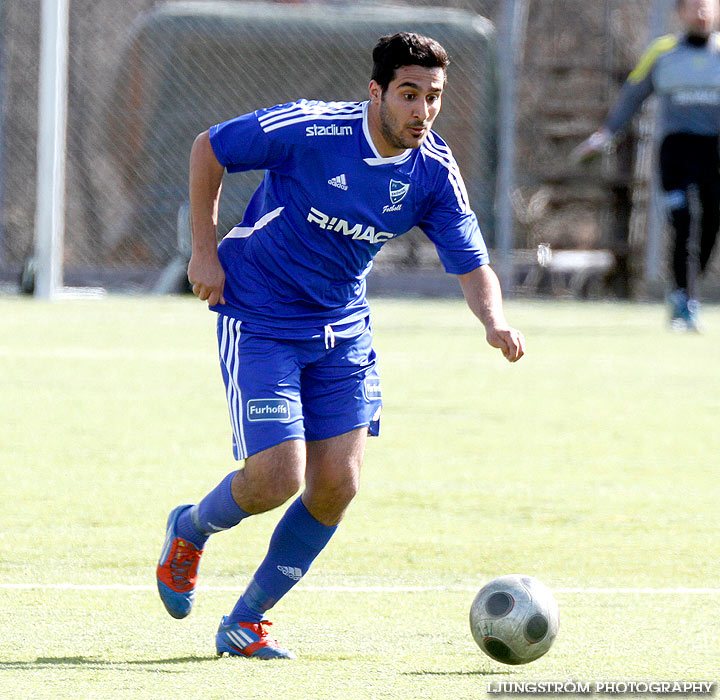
340	182
291	572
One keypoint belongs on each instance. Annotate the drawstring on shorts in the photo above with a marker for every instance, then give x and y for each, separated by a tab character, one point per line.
329	337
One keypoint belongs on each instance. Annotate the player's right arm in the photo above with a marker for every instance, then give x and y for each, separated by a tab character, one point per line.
637	88
239	144
205	272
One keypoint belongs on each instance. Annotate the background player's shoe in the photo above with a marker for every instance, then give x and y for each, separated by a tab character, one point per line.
177	569
692	316
678	310
249	639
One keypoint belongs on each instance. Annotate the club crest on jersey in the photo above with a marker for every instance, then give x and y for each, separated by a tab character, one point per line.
398	190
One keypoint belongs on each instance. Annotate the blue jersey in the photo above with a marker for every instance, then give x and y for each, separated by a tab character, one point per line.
327	204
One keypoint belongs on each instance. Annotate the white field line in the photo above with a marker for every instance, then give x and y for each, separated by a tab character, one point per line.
593	590
71	353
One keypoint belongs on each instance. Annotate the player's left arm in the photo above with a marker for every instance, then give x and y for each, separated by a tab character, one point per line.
483	295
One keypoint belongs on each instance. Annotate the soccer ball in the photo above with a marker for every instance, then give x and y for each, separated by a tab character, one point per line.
514	619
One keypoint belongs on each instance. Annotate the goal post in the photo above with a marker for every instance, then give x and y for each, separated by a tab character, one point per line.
52	127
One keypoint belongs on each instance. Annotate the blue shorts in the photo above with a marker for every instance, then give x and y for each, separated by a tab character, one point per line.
316	387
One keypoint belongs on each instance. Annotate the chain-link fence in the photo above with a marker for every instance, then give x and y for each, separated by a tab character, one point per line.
145	77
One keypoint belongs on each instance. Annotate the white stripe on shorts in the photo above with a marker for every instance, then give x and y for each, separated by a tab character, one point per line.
229	357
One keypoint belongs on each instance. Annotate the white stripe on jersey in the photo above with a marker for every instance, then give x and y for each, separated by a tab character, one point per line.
309	107
431	143
442	154
245	231
312	108
302	113
229	357
311	118
269	120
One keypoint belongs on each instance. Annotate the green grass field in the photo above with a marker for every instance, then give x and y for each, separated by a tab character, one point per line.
591	464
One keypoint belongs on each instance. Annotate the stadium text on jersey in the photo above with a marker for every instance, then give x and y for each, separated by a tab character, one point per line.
331	130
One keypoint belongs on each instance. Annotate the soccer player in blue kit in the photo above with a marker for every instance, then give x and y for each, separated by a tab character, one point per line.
294	333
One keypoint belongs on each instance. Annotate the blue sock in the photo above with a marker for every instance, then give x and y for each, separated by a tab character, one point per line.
297	540
216	512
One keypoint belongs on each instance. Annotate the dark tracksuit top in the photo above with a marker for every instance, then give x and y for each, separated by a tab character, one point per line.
684	73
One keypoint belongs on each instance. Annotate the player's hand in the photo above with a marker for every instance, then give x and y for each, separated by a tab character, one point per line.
207	278
510	342
591	147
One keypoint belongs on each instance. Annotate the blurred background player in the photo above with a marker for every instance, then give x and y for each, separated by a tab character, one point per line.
294	333
684	71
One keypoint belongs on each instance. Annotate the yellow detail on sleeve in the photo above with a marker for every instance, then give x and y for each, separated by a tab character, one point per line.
654	51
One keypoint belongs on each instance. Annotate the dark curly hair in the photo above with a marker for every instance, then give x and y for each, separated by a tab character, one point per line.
405	49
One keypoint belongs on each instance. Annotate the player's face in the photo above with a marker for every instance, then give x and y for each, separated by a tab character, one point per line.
404	113
700	16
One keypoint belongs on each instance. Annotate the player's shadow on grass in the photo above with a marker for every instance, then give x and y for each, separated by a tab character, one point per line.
49	661
456	673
